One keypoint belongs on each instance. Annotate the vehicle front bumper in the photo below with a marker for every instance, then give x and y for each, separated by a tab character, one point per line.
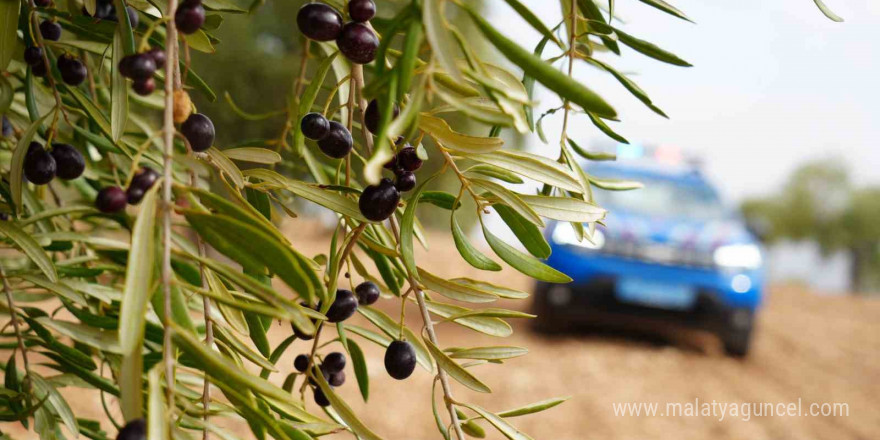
595	275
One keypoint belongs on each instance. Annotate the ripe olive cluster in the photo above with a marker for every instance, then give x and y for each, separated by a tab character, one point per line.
378	202
106	10
113	199
331	368
141	67
400	358
190	16
355	39
72	70
333	138
41	166
33	56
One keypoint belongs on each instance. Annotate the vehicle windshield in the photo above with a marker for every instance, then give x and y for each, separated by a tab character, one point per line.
666	198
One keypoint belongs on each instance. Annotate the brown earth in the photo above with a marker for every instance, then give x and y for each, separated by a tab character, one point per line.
812	348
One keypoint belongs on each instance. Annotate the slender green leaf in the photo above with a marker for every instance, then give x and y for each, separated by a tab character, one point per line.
513	200
232	315
439	37
532	166
470	254
533	407
504	292
489	353
828	12
439	199
104	340
131	382
527	233
253	154
407	225
94	113
326	198
119	89
343	410
615	184
648	49
500	424
30	247
16	176
200	41
157	420
359	363
139	275
524	263
452	140
241	348
8	27
456	371
255	250
227	372
490	312
588	154
667	8
564	208
225	165
545	73
494	171
453	290
631	86
488	325
55	401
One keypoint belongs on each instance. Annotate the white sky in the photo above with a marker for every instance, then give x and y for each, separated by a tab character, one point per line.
774	84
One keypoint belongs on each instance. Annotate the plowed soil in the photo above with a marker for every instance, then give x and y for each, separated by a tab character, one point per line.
808	348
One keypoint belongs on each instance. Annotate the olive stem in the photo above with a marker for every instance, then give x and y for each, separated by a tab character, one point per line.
172	83
209	323
21	346
429	328
357	72
332	282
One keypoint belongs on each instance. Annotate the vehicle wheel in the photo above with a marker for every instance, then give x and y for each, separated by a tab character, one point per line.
548	320
738	335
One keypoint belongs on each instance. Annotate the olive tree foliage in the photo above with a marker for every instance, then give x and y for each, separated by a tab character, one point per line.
843	219
135	303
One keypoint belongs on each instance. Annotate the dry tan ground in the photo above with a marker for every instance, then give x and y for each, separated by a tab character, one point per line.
807	347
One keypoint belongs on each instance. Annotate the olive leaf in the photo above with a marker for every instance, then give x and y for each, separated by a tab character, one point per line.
456	371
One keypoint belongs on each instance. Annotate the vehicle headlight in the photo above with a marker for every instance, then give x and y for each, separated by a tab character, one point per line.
563	234
747	256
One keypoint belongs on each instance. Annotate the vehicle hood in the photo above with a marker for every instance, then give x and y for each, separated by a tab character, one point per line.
675	232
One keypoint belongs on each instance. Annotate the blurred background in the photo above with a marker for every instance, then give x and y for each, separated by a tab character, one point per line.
775	126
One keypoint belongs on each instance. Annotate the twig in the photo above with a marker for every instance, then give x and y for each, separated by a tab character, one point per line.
332	282
357	73
352	91
566	104
429	327
171	72
572	36
21	347
38	36
301	77
209	323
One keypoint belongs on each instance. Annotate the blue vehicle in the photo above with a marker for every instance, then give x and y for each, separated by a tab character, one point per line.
671	250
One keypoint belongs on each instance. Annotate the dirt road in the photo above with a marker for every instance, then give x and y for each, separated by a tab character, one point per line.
809	348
